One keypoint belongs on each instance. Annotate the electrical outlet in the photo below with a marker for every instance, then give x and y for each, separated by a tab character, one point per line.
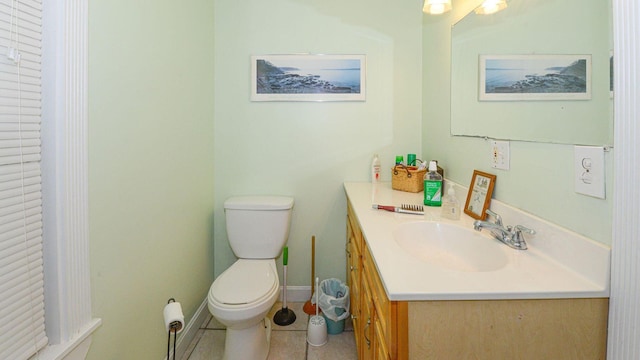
589	170
500	154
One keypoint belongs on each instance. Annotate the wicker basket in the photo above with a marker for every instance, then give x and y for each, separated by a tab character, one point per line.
407	178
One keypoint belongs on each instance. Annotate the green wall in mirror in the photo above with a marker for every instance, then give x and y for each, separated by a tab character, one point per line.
534	27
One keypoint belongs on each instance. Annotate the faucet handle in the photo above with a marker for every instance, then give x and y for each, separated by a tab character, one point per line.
518	239
520	228
495	216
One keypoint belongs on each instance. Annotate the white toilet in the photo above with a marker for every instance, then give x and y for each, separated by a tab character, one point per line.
241	297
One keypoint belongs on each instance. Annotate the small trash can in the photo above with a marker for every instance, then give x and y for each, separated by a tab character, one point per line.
334	303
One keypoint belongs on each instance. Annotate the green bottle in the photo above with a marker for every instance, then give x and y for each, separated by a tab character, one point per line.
432	186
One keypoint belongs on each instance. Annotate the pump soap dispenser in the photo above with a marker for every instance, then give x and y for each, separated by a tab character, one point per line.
450	205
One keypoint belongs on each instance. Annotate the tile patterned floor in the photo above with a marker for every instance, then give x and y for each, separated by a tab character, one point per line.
287	342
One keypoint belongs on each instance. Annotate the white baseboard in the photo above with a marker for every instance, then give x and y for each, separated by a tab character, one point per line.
296	293
190	330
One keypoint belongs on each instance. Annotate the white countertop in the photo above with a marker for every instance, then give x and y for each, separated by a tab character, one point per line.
558	264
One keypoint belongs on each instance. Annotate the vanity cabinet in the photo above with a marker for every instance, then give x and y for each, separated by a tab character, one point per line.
379	325
466	329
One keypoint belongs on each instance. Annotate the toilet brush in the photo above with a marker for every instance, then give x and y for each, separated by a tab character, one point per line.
284	316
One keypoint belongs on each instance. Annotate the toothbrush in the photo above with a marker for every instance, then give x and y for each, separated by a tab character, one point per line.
404	208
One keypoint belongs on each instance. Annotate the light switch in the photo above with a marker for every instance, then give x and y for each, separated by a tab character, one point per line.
589	171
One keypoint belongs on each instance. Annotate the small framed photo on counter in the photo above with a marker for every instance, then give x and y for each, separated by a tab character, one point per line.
479	196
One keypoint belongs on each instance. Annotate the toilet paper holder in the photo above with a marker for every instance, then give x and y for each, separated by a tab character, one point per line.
174	323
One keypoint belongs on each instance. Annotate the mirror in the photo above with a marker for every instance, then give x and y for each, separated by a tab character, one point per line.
578	31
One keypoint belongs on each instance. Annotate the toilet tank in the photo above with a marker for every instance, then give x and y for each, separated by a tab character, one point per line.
258	226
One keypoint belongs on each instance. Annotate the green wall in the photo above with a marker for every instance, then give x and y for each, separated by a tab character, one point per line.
156	218
150	168
540	180
308	149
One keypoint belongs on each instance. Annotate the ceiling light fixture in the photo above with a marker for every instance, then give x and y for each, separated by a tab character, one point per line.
491	6
436	7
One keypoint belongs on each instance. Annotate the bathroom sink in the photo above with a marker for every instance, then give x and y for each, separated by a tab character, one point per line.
450	246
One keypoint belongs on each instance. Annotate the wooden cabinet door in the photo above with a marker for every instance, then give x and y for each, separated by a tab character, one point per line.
353	280
368	323
380	349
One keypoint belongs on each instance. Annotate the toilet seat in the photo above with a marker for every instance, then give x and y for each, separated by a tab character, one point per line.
245	282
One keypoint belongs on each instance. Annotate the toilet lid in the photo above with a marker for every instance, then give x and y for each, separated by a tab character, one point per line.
244	282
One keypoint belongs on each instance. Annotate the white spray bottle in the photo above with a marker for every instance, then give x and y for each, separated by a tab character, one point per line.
375	169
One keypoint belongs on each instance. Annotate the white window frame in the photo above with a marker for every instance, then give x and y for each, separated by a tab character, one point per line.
69	320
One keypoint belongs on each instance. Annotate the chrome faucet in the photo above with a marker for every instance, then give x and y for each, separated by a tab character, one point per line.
510	235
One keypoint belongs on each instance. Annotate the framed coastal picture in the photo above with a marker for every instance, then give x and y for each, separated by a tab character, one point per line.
534	77
308	78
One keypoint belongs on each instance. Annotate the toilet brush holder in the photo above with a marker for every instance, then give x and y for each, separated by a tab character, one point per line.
317	328
317	331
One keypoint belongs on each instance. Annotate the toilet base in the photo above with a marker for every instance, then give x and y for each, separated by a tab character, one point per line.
248	343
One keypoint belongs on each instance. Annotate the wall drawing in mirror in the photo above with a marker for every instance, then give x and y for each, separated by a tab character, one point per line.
560	50
534	77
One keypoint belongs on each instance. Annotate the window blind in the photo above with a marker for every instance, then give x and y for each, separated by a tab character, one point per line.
22	331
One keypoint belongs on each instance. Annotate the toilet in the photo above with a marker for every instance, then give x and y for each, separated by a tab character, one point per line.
241	297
